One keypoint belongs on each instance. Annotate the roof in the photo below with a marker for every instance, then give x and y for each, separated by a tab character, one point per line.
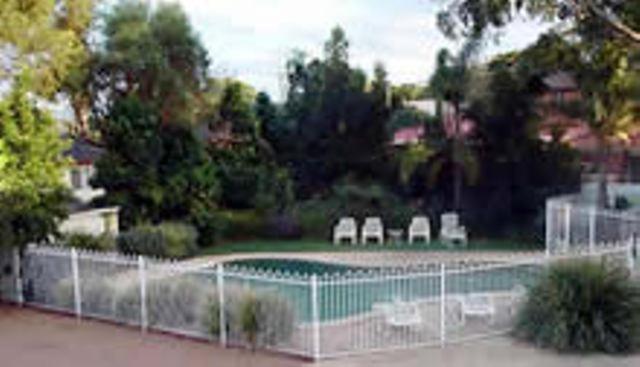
84	151
560	81
408	135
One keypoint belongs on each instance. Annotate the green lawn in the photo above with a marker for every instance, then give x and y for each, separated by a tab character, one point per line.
317	245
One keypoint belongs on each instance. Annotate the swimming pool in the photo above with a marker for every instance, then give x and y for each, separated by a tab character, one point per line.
345	290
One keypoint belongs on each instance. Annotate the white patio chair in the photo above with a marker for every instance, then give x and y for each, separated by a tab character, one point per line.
451	230
400	315
477	305
372	229
346	229
517	297
419	228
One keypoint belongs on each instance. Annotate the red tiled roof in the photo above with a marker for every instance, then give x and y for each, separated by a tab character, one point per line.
408	135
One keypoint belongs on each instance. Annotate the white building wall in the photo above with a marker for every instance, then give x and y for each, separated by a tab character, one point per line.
95	222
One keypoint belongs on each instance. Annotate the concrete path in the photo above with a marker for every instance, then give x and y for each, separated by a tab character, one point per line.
375	258
31	338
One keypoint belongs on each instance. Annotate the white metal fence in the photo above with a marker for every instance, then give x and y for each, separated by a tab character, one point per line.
315	316
572	225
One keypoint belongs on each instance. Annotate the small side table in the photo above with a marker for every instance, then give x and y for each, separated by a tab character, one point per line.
395	235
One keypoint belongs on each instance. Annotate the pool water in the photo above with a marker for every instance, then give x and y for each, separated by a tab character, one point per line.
338	299
295	266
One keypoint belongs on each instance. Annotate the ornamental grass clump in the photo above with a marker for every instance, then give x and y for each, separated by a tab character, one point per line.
582	306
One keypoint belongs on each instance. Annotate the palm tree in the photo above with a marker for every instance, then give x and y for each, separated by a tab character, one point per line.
449	83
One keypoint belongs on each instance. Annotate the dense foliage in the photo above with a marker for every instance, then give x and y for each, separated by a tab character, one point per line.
168	239
154	171
583	306
338	123
32	193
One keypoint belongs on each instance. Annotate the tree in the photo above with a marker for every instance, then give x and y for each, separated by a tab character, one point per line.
154	171
79	18
236	109
154	55
44	36
449	82
611	105
612	17
338	119
33	196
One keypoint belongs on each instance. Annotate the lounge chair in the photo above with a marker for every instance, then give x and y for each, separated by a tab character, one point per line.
372	229
400	315
346	229
451	230
477	305
419	228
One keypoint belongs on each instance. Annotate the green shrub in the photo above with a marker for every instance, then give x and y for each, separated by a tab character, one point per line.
169	239
243	224
180	239
97	295
89	242
261	318
142	240
178	302
582	306
317	216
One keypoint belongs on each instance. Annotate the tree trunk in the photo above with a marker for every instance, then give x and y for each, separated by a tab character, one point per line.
602	199
457	167
80	111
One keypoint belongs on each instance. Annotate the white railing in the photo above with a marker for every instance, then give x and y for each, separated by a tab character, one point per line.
572	225
314	316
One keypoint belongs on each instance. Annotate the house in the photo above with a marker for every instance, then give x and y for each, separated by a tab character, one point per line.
414	134
560	92
83	218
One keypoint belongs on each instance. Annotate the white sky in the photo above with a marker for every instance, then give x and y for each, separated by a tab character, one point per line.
251	39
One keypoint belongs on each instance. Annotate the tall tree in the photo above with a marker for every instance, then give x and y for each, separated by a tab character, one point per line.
154	55
154	171
42	36
449	83
474	17
339	119
32	193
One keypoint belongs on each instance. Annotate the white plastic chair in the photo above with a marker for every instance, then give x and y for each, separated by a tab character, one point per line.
346	229
477	305
400	314
419	228
372	229
451	230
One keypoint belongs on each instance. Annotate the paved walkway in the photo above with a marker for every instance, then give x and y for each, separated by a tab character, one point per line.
375	258
30	338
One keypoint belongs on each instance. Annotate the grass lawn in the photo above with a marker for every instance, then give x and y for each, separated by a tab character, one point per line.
324	246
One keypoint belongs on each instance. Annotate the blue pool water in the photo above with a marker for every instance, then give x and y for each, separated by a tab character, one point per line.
338	299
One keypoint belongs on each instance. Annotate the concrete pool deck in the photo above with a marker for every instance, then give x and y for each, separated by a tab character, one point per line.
374	258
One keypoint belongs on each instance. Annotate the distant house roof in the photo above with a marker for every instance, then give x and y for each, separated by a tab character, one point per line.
408	135
560	81
84	151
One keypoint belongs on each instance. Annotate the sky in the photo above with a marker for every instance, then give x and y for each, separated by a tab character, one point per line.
252	39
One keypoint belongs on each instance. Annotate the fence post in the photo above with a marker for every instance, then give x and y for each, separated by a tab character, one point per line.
221	317
315	319
443	311
77	297
142	276
17	274
631	263
592	229
567	226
